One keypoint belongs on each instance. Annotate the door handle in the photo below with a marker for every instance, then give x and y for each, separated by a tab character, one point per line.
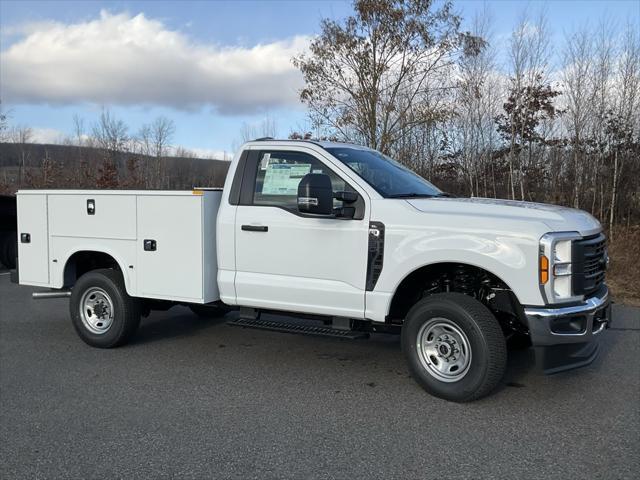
255	228
149	245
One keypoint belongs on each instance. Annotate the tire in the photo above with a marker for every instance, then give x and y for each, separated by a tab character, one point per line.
102	312
208	311
439	326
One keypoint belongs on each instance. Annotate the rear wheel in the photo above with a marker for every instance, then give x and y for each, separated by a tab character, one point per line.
102	312
454	347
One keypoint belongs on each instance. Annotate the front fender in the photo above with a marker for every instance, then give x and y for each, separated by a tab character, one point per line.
513	259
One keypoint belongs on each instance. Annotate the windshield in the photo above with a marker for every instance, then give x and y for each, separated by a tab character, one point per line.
386	176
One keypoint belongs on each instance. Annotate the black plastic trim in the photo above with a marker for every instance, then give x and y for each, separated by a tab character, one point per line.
589	264
234	194
375	256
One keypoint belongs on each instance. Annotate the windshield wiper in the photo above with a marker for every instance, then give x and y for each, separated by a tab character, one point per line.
412	195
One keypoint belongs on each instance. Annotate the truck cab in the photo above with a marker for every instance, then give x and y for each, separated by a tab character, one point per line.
340	234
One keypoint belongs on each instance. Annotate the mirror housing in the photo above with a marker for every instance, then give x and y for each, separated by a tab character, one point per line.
315	194
345	212
346	196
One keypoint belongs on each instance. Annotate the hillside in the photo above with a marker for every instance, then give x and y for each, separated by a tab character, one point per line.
30	165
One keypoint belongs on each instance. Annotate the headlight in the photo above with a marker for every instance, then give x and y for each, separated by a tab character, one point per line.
555	267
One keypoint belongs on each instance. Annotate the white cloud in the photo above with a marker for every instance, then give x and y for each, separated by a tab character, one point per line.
133	60
46	135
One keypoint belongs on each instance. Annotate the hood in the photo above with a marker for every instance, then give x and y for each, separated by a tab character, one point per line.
557	218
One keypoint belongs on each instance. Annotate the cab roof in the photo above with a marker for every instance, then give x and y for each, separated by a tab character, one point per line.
321	143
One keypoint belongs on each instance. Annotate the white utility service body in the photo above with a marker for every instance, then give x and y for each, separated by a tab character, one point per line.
388	241
182	266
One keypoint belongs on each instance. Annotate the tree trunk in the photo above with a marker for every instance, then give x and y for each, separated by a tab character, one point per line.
613	194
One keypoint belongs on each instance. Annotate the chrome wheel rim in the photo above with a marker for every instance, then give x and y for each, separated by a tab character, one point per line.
444	350
96	310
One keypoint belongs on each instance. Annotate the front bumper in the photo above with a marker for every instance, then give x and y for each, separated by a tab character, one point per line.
568	337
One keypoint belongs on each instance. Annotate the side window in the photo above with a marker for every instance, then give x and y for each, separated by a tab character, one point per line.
279	174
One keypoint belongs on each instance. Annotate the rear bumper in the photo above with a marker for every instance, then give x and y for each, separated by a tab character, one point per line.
568	337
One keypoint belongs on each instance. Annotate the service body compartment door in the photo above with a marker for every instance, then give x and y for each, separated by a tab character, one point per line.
33	249
92	215
171	266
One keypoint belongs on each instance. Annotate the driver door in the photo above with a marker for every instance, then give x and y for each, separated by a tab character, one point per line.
286	260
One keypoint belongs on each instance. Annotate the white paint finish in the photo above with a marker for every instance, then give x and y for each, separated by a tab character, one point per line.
508	248
377	305
226	239
175	269
317	263
155	193
115	216
226	284
555	217
304	295
184	267
33	258
62	248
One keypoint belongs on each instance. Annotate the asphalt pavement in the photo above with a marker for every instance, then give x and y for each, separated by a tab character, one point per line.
193	398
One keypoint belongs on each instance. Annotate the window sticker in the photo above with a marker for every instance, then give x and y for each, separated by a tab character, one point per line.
265	161
283	179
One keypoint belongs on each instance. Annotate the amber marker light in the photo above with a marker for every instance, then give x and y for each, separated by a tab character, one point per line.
544	269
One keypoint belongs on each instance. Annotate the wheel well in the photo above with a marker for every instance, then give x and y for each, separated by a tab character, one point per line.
82	262
461	278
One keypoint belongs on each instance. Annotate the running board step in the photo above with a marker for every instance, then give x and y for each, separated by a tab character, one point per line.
290	327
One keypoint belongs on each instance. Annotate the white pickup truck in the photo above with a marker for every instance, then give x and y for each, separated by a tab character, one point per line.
345	241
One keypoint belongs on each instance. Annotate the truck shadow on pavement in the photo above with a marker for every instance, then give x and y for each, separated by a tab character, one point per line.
181	323
171	324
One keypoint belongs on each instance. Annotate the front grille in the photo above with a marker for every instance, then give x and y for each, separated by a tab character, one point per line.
589	262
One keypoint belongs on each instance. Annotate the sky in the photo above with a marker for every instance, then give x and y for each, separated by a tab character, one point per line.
210	66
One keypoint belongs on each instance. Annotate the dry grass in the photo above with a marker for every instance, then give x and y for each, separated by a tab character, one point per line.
623	276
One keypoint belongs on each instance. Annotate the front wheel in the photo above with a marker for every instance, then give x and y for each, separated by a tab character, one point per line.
102	312
454	347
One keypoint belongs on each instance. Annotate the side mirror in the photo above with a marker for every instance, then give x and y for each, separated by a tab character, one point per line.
315	194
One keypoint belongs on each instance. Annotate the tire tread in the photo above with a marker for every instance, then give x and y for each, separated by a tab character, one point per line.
130	309
492	336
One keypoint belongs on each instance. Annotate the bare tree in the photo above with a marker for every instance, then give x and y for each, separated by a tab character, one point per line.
162	131
248	132
375	76
110	134
78	130
477	103
624	129
577	76
529	53
21	135
4	122
144	140
602	76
